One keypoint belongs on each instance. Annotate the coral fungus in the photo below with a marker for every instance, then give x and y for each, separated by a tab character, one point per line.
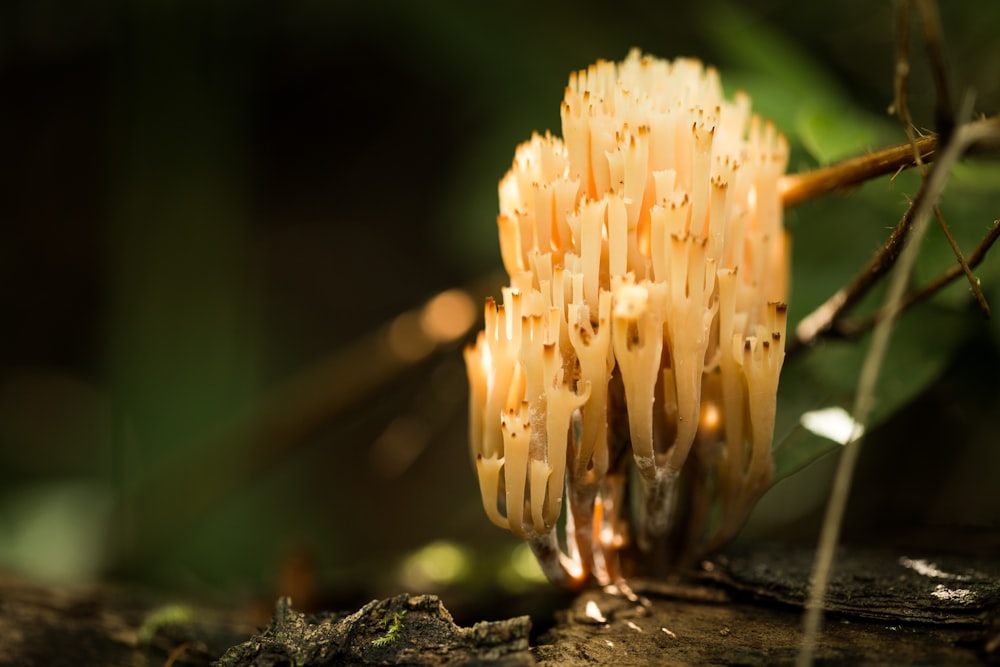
648	267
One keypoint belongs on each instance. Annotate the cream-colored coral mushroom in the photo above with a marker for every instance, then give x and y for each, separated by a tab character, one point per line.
648	265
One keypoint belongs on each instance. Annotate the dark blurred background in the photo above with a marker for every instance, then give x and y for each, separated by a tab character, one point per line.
212	215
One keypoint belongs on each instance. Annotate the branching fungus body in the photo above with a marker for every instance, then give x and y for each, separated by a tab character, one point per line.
648	264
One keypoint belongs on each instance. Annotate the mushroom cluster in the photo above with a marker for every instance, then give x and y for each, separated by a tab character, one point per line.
648	267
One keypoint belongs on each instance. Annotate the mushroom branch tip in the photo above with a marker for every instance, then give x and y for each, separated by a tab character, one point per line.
648	267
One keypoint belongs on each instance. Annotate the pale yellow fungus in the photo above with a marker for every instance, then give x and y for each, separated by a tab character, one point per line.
648	264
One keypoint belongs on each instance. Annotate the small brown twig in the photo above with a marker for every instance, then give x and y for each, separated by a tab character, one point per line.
944	120
827	319
849	173
901	88
955	142
964	267
852	172
853	329
175	654
824	321
944	113
929	193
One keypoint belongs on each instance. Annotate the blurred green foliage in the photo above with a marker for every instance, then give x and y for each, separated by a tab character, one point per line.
206	202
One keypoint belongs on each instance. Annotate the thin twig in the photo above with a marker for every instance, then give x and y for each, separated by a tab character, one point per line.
822	321
964	267
949	275
852	172
849	173
849	329
944	120
932	186
175	654
944	124
943	115
929	192
826	319
901	101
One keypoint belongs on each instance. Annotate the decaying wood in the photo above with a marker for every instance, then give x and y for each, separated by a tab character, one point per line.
52	627
411	630
884	607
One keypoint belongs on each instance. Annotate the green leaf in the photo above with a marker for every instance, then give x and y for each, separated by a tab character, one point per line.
798	450
798	392
790	87
833	132
975	176
827	376
969	211
919	351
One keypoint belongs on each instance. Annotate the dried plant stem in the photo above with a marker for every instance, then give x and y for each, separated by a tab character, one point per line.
849	173
919	212
853	329
826	320
929	193
822	320
963	265
950	274
944	120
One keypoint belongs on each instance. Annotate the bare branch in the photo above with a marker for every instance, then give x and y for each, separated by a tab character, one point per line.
824	321
901	103
949	275
849	173
849	329
852	172
918	150
963	267
944	120
929	193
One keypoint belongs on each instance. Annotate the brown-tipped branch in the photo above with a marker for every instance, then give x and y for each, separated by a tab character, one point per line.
850	329
930	22
944	119
849	173
823	321
963	267
982	135
931	188
852	172
826	320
